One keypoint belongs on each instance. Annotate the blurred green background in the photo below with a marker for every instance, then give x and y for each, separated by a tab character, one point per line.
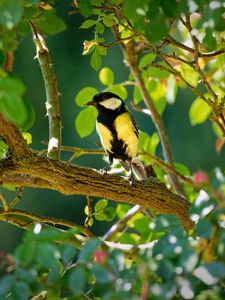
192	146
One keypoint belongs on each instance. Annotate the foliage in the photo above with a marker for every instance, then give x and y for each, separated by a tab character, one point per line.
178	266
176	45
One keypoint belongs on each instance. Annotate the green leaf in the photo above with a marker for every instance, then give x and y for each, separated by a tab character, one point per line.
100	216
100	27
31	115
199	111
26	252
216	129
157	93
171	90
122	209
102	275
50	23
6	283
170	8
142	224
157	73
157	21
165	222
47	255
106	76
147	59
119	90
108	20
14	108
110	213
87	24
85	95
88	250
137	95
86	8
190	75
96	60
12	84
182	169
20	291
68	253
100	204
28	137
85	121
204	228
209	40
77	279
10	13
3	149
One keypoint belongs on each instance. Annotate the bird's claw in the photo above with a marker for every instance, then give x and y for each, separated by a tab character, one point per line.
103	171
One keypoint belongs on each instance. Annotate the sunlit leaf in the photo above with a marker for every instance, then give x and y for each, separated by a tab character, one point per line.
171	90
50	23
85	95
119	90
96	60
87	24
106	76
199	111
85	121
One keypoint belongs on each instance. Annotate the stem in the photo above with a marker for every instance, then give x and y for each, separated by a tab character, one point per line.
52	93
118	226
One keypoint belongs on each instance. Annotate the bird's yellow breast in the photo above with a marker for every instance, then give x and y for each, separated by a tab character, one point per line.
126	132
105	136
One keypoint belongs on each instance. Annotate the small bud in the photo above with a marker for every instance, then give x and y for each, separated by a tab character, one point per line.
200	178
100	256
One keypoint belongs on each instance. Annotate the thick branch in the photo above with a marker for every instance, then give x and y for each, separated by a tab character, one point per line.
52	93
13	138
74	180
31	170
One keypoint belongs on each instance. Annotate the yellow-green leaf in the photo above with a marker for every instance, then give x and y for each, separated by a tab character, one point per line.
106	76
85	121
199	111
85	95
119	90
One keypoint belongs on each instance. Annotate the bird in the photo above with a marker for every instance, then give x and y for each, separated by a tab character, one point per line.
118	134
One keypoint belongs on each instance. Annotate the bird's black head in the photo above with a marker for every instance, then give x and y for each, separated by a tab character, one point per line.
106	100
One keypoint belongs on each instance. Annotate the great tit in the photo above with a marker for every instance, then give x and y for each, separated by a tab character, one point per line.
118	133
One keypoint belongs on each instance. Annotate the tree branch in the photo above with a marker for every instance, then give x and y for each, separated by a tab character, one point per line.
52	93
40	172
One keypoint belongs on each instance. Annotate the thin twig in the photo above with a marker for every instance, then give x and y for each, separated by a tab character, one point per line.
48	220
168	167
195	42
52	93
4	203
9	59
87	220
17	199
169	39
119	225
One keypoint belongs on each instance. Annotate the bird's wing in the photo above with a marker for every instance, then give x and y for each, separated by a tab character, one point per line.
134	125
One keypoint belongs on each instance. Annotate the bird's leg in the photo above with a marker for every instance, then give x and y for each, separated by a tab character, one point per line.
131	177
107	167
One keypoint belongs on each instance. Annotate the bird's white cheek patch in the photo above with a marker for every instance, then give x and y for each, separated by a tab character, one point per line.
112	103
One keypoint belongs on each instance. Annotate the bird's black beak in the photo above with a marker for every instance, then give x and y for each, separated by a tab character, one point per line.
90	103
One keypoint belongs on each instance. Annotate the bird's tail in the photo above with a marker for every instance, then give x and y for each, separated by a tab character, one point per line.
138	169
